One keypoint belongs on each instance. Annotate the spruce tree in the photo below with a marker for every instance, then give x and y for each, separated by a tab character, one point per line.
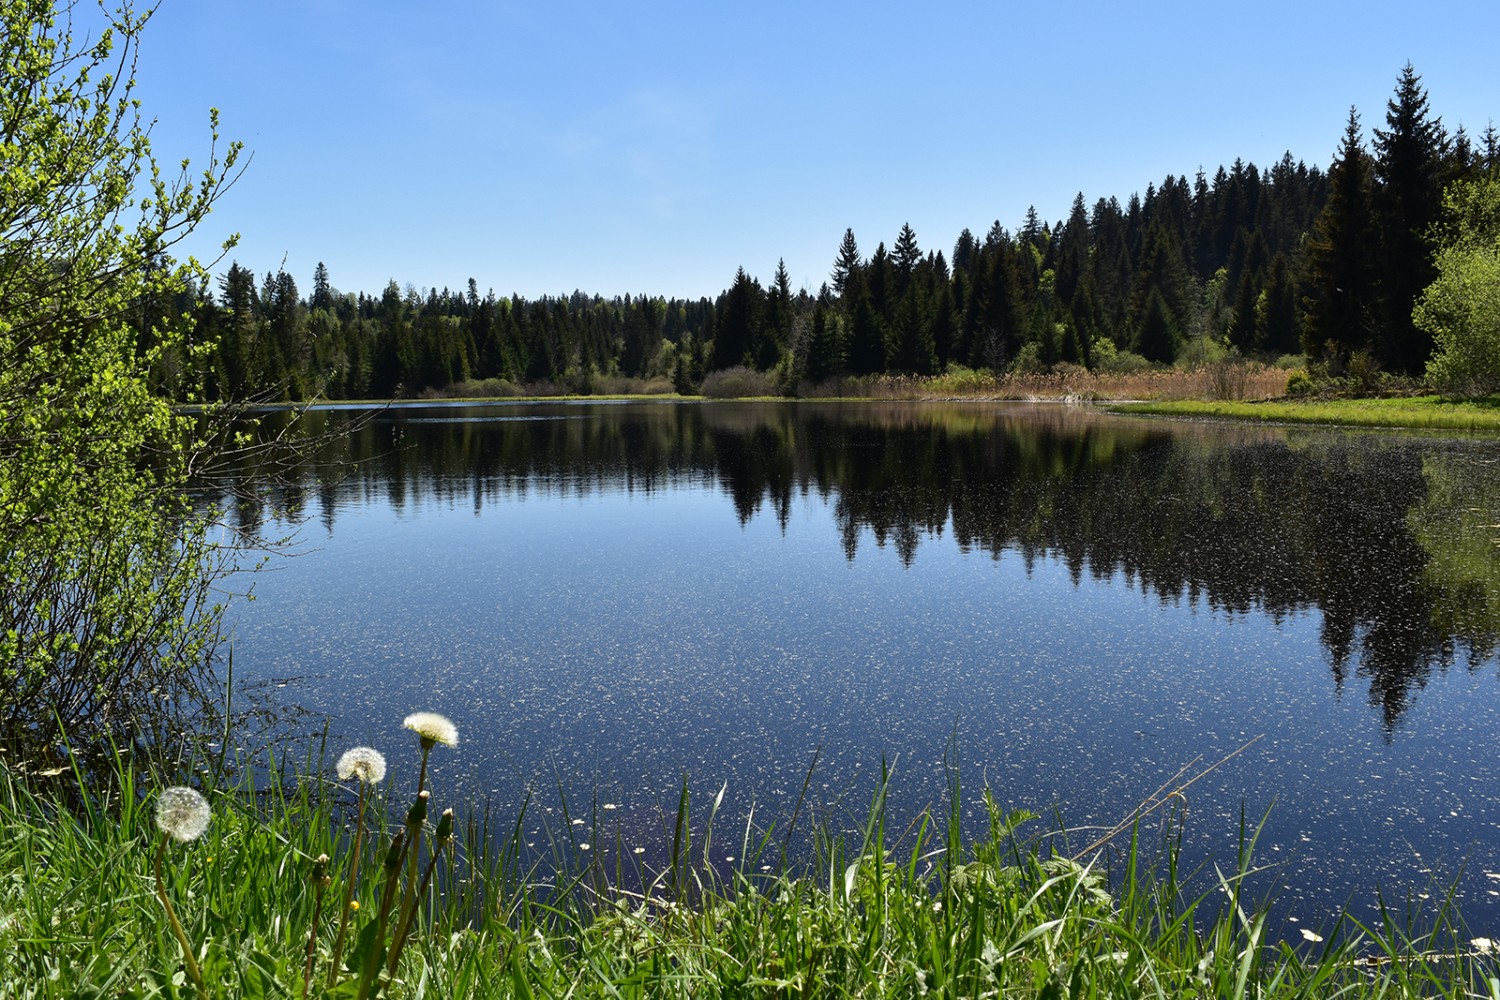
905	256
1276	317
322	295
847	263
911	349
1410	161
1157	337
1340	307
736	322
825	350
866	353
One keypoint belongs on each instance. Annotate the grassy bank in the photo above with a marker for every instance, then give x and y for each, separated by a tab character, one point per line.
882	913
1422	412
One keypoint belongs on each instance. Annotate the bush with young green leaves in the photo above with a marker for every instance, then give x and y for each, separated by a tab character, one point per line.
1461	308
104	566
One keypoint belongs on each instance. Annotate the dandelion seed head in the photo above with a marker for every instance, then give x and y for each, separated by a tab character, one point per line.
364	763
182	813
433	728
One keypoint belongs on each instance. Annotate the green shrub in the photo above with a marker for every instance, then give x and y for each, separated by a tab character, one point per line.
1201	351
1299	383
1110	359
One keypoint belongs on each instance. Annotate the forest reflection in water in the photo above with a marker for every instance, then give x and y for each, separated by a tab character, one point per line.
1396	542
1063	605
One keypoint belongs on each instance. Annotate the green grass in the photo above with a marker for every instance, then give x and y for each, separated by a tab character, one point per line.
1420	412
878	914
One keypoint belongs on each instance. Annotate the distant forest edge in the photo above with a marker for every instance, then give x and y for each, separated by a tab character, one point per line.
1292	260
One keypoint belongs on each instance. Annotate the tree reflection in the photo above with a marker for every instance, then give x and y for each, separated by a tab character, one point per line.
1391	540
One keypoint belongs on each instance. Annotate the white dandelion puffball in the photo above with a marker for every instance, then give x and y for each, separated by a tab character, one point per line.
433	728
181	813
365	763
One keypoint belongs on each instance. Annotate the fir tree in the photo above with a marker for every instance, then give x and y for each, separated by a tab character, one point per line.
847	264
1157	337
1339	309
1410	156
737	322
825	350
911	349
866	353
905	256
1276	317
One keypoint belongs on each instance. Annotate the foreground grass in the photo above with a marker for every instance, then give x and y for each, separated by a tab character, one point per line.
1422	412
916	914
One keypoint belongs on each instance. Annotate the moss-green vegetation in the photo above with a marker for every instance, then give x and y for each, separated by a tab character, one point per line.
1422	412
1015	913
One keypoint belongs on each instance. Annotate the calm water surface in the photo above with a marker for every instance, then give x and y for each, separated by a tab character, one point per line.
608	597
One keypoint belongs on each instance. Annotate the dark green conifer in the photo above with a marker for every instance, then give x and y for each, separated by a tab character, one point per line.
1157	336
1340	307
1410	164
847	263
905	257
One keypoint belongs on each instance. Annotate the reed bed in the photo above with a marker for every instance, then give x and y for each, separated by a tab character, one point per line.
1223	380
878	913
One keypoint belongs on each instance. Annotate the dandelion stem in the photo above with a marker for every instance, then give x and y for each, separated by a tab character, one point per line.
398	941
353	879
320	878
387	896
414	820
188	960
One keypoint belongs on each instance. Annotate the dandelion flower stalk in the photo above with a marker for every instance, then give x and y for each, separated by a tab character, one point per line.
441	840
387	896
320	882
182	814
368	766
431	729
415	818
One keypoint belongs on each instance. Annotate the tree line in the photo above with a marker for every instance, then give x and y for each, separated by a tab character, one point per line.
1289	260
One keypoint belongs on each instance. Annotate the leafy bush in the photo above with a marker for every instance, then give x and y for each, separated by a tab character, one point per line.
1461	309
1300	383
1110	359
1028	360
1204	350
961	381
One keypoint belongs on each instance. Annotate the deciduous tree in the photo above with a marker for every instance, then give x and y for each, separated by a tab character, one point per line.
104	566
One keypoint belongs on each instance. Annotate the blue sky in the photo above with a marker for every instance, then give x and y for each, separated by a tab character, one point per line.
613	148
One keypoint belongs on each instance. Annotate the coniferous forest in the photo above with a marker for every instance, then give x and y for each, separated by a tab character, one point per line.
1255	262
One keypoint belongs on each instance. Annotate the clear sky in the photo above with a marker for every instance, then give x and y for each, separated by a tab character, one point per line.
553	145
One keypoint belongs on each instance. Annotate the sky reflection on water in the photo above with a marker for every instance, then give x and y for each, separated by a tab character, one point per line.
1076	605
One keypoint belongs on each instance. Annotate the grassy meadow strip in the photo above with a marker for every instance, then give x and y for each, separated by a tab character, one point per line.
293	889
1418	412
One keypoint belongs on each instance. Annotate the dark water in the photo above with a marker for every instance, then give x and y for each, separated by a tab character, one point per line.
605	597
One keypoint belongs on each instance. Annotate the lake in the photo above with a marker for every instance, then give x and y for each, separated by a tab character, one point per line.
1065	606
